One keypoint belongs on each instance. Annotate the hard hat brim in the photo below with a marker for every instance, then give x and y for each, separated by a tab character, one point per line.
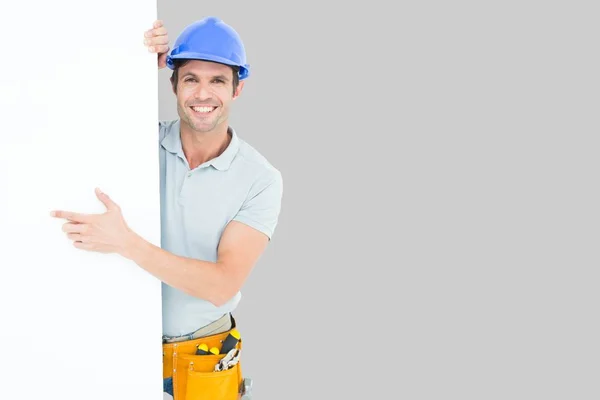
188	55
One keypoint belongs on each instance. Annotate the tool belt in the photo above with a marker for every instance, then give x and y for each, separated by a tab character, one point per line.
194	376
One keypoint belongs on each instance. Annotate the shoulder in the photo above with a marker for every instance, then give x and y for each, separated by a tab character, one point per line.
256	164
166	126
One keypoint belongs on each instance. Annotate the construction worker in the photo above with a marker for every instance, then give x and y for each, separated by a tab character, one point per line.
220	198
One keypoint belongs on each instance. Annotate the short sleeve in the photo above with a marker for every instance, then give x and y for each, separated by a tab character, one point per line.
263	205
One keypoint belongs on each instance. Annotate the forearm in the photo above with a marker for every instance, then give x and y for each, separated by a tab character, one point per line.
202	279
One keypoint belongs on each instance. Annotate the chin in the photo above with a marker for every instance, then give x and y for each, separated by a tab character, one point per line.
203	126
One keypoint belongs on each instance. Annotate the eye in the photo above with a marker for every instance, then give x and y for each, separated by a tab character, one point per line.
189	80
219	80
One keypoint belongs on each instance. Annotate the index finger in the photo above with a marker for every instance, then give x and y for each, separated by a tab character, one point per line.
71	216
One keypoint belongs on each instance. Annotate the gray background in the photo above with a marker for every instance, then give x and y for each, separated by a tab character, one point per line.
439	231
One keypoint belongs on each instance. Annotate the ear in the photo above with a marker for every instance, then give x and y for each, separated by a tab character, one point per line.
238	91
172	81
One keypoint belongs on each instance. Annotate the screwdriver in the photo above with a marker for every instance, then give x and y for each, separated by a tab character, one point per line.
202	349
230	341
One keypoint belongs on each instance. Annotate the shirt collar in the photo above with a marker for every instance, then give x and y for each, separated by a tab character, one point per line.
172	143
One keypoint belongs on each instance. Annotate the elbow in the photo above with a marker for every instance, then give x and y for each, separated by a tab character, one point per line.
217	302
218	291
217	298
222	297
224	288
223	293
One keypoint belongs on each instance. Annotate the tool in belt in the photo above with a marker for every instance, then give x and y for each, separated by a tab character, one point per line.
231	358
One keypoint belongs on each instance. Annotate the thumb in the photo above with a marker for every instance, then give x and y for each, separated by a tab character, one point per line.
107	201
162	60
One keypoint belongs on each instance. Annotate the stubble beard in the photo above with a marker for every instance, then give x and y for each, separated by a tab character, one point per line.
187	116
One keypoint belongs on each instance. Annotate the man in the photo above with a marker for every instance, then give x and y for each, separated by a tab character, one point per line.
220	198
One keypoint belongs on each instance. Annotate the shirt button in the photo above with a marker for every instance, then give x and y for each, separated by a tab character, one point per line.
189	175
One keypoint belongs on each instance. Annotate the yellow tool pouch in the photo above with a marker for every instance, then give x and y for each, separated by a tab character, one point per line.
193	375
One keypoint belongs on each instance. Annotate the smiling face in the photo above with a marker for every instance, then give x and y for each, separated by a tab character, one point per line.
205	91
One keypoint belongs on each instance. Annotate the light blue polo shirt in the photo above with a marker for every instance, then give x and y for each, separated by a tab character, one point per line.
196	206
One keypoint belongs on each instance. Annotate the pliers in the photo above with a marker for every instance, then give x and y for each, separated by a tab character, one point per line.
228	361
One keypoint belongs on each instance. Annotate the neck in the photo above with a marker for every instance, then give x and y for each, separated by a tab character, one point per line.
200	147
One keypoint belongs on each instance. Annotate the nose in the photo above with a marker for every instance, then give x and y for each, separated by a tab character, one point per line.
203	91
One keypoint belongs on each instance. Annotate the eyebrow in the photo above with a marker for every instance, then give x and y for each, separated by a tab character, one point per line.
223	77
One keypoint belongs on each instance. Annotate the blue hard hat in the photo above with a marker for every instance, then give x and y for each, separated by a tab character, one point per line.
210	39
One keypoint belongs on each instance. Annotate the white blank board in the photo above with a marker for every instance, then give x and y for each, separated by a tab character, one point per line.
78	102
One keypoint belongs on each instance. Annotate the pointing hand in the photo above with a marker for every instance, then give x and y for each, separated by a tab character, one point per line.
103	233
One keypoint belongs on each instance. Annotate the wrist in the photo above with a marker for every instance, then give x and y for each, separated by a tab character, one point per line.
131	245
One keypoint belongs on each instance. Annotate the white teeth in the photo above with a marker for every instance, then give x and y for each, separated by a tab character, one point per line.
202	109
